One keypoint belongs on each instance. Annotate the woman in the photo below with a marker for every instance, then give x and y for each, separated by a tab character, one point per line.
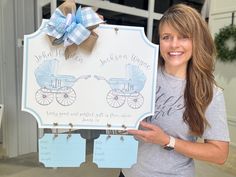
188	102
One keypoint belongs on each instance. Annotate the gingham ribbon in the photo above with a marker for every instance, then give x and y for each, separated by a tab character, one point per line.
73	27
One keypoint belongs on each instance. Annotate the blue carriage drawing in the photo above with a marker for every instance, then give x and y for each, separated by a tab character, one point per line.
53	85
127	88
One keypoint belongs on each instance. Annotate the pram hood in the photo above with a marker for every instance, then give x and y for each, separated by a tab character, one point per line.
137	77
47	68
135	73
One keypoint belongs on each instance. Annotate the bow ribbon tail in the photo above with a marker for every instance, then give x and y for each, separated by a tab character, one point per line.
58	41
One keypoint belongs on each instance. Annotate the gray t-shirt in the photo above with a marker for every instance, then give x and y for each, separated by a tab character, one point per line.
153	160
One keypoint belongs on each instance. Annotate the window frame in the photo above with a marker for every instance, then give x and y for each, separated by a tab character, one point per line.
149	14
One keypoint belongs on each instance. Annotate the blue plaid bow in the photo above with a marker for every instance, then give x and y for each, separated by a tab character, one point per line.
73	27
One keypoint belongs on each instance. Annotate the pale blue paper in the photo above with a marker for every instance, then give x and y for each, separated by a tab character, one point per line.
62	151
116	151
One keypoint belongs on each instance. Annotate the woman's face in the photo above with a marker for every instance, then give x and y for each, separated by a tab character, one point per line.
175	49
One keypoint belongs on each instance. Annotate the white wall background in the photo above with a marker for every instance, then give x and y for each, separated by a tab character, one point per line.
19	129
220	16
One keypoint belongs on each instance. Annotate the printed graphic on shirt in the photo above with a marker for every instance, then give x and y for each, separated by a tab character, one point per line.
166	104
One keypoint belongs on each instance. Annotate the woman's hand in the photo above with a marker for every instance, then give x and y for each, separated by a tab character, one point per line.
151	134
101	16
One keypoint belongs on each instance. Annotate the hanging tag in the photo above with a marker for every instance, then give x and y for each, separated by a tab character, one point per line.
117	151
62	151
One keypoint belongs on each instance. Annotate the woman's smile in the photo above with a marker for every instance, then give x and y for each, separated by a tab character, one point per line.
173	54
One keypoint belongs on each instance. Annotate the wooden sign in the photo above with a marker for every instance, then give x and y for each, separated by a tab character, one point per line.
111	87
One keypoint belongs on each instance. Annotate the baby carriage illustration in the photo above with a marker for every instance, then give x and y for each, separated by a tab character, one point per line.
128	88
52	84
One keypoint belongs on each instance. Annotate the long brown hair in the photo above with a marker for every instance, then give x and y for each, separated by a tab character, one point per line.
199	76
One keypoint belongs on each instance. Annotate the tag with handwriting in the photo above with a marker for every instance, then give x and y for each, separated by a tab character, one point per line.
62	151
115	151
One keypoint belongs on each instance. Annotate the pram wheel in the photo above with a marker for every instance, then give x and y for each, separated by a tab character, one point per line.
115	98
44	96
135	100
65	96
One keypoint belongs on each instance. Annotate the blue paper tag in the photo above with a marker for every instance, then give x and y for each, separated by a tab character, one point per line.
62	151
115	151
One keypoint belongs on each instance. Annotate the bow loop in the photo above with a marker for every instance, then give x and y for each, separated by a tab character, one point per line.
69	19
90	18
78	16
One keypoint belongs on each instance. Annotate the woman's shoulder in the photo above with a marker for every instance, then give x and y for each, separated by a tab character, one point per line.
218	94
217	90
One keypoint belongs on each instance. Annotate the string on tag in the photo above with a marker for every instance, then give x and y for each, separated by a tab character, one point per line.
116	30
70	131
56	133
109	132
123	132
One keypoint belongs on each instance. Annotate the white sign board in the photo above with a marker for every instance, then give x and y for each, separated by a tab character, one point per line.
113	86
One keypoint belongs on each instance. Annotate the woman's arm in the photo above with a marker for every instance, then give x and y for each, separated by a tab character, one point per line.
209	150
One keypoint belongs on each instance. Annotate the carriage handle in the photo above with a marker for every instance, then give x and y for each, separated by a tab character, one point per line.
100	78
83	77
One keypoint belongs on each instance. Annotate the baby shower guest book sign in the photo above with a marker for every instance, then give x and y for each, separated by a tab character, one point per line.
81	74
